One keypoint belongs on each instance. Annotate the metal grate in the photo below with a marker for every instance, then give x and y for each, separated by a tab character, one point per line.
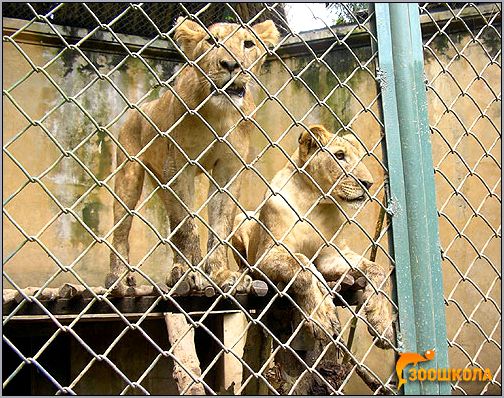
463	68
154	17
278	302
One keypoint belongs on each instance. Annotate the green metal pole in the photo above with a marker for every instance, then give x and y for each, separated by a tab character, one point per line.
407	340
430	196
412	111
407	137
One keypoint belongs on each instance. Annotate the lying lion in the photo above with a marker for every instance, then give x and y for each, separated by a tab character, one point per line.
295	223
217	85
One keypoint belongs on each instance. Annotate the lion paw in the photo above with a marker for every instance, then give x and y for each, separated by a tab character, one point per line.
230	279
329	324
385	338
193	280
325	315
380	317
123	287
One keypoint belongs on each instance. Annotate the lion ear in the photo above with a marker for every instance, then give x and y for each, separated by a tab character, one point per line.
309	140
187	35
267	32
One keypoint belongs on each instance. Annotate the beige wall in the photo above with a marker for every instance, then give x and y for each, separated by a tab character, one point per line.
470	125
69	242
32	208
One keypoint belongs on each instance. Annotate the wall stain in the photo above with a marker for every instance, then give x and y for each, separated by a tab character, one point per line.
322	81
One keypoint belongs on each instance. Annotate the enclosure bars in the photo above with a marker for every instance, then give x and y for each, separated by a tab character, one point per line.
430	195
418	266
398	239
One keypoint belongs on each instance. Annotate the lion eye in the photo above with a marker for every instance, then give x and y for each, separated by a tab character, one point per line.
340	155
209	40
248	43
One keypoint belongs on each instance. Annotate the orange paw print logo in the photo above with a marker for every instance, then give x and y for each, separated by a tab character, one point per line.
408	358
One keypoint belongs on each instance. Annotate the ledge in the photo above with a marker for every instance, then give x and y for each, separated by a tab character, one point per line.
319	40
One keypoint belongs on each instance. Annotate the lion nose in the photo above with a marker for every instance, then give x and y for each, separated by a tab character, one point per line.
229	65
367	184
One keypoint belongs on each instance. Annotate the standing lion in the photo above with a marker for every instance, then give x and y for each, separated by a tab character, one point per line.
205	114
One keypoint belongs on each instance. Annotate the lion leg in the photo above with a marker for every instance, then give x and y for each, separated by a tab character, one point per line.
183	229
241	238
128	186
378	308
311	296
221	217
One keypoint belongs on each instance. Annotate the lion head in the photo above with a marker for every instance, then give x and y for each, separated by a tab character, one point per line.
335	163
229	54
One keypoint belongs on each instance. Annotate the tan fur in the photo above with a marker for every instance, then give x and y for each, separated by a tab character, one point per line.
303	238
226	65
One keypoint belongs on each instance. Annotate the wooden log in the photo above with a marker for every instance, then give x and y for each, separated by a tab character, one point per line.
233	326
360	283
209	291
9	295
291	368
333	374
259	288
371	381
149	290
142	290
69	291
99	290
185	352
48	293
335	286
347	281
29	291
256	352
183	289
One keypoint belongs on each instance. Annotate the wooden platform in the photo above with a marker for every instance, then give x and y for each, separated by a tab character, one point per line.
70	300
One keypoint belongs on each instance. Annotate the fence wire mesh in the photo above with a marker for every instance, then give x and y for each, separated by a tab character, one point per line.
104	223
154	17
463	71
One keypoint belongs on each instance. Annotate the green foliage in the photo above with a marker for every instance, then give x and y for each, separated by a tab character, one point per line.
348	13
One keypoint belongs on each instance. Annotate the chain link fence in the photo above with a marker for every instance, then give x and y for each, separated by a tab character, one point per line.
152	18
463	69
193	207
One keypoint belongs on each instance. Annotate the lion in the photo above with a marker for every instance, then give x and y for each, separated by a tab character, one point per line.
207	116
325	177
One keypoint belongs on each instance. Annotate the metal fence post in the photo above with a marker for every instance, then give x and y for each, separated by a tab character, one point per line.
430	196
405	114
396	196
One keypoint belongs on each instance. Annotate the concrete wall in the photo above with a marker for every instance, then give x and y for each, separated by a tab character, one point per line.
32	208
355	104
470	219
